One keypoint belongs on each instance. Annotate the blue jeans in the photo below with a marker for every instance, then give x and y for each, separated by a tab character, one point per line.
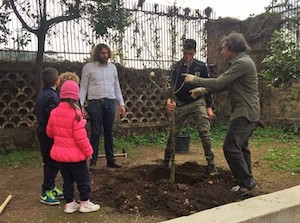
102	113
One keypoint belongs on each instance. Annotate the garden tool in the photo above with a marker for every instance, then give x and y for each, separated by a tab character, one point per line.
123	154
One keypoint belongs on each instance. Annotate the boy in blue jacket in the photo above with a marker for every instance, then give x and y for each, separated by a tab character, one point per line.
47	100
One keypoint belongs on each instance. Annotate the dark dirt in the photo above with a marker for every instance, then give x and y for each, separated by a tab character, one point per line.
140	191
146	189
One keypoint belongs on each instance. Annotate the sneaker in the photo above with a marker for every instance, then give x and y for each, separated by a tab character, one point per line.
93	166
212	170
243	191
71	207
113	164
48	198
58	194
88	206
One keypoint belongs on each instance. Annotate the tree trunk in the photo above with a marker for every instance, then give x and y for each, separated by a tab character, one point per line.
38	66
172	115
173	142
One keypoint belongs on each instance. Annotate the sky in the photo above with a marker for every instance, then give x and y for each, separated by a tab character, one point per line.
240	9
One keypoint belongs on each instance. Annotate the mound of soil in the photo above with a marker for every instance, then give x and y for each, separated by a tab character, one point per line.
147	190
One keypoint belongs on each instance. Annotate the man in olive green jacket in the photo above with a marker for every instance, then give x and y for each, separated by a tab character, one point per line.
241	81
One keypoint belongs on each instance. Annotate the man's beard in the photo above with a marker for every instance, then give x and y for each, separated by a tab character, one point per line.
102	60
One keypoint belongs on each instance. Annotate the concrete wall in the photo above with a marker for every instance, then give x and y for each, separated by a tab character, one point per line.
278	207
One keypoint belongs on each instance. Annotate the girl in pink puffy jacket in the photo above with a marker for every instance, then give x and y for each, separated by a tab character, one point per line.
71	148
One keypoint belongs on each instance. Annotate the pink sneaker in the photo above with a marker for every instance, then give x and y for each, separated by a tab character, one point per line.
71	207
88	206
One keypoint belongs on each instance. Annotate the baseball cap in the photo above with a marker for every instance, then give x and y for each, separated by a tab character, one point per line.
189	44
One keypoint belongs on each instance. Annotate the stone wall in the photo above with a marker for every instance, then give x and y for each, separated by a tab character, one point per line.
285	104
257	32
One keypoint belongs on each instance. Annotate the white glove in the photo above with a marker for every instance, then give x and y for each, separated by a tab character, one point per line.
189	78
196	92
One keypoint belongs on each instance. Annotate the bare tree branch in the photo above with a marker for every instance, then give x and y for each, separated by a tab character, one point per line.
74	13
39	9
24	24
56	20
44	14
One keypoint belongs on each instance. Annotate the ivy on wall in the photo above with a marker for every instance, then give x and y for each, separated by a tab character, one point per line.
283	62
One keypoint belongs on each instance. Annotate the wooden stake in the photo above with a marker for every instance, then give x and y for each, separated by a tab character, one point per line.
3	205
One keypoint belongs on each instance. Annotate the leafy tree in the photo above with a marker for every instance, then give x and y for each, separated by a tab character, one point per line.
36	18
105	15
283	62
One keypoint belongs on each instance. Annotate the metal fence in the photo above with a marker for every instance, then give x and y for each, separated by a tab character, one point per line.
290	14
153	39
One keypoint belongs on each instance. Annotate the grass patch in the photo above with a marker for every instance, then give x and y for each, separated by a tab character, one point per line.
284	148
285	157
131	143
284	152
273	135
20	156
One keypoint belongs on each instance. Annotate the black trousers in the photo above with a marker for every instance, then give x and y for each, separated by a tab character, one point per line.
51	167
76	172
236	149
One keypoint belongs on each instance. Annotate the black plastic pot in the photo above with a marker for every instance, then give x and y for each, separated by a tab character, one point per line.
182	143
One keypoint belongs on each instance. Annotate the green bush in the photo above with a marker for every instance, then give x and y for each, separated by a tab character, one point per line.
283	62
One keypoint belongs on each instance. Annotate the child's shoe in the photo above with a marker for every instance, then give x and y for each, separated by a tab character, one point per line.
88	206
48	198
58	194
71	207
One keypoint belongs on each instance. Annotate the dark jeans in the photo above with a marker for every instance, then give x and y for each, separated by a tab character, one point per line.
51	167
102	113
79	173
236	149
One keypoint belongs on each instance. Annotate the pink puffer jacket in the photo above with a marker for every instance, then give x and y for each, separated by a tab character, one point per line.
71	143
